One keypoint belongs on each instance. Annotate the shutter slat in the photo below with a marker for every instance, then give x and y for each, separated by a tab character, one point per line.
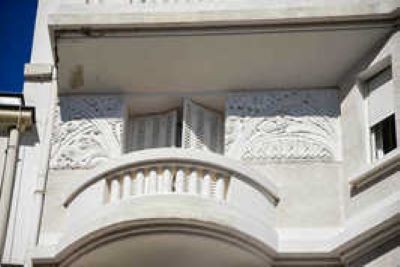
152	131
202	128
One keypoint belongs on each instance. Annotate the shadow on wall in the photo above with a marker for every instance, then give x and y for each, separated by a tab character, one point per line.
28	138
350	76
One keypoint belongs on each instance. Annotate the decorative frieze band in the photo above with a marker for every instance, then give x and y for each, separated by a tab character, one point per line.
86	131
282	125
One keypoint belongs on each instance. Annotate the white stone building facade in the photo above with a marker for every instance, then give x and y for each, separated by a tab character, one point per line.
205	133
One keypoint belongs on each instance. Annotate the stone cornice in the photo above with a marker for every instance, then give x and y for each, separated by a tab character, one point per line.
99	16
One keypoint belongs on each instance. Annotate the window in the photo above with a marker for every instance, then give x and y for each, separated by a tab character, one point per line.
383	137
381	118
191	127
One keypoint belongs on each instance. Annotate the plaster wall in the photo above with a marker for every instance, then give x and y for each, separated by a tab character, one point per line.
356	144
24	212
54	221
279	134
310	194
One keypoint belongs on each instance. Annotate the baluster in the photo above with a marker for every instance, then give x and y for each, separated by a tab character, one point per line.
115	191
160	181
220	188
146	182
167	181
180	181
152	189
139	183
106	190
127	186
193	183
206	185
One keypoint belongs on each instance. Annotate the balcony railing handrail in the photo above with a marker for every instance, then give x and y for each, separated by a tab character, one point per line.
176	156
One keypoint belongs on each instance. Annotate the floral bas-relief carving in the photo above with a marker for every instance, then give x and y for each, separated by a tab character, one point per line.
86	131
282	125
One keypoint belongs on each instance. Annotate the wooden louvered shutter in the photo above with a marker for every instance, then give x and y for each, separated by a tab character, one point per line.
202	128
152	131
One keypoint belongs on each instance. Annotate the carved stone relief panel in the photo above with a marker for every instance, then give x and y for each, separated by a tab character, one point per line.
282	125
87	131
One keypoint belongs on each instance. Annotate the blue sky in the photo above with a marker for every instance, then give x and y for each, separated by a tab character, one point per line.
17	19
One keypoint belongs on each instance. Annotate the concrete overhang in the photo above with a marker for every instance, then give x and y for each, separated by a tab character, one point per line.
128	52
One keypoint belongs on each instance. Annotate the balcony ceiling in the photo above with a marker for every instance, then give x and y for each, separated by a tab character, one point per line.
198	61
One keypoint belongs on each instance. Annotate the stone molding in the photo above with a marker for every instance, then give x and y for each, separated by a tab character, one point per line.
43	257
373	174
219	12
341	252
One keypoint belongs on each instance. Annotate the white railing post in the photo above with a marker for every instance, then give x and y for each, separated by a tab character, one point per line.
180	181
193	182
115	191
152	180
220	188
206	185
139	183
167	180
127	186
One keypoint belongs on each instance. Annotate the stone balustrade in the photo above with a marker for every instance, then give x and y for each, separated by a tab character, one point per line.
172	171
167	179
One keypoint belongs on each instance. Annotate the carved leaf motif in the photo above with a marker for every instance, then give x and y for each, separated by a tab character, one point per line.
282	125
86	131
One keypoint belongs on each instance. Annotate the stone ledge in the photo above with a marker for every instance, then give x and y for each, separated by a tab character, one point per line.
38	72
373	174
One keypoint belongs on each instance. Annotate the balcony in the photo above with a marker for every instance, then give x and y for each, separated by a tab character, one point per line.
174	192
194	46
